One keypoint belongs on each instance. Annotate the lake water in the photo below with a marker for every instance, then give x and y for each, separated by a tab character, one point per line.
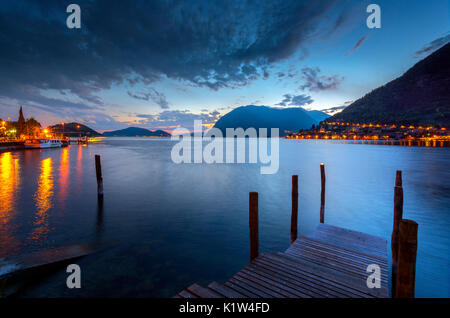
167	225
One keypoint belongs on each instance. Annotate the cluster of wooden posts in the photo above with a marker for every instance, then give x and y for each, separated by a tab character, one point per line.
403	241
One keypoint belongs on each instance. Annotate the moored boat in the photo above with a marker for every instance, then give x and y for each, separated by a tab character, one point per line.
42	143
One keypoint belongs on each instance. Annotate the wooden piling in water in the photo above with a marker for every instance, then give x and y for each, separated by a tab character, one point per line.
398	178
407	250
322	193
294	215
398	215
253	223
98	171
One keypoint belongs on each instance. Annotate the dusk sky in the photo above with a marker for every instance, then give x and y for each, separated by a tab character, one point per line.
162	64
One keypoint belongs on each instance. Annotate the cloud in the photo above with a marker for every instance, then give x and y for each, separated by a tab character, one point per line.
334	110
316	82
176	118
295	100
356	46
153	95
433	45
214	44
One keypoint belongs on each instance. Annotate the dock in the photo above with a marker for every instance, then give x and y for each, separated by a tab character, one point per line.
333	262
17	271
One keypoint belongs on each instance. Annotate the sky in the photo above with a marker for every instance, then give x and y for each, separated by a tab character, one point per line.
163	64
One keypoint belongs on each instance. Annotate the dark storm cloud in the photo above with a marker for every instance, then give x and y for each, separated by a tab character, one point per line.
207	43
153	95
316	82
433	45
295	100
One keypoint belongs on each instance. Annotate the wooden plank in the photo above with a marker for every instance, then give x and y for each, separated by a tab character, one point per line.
268	286
339	277
351	239
337	260
355	259
34	261
357	236
278	281
348	242
186	294
241	290
325	285
349	245
335	265
224	290
292	283
202	292
254	288
353	236
362	253
299	276
334	249
348	278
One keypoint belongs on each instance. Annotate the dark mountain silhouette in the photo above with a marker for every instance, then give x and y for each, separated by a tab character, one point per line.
286	119
136	131
420	96
74	130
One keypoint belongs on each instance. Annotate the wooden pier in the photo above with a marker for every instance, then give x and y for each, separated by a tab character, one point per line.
332	263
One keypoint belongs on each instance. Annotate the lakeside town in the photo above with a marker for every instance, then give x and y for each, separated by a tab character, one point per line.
430	136
29	133
17	133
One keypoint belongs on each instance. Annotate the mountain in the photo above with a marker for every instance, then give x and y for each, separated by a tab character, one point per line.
74	130
136	131
318	115
286	119
420	96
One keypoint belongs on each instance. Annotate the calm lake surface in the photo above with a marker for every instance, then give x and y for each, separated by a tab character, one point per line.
167	225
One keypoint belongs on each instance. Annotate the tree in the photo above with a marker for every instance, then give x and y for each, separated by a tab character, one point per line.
32	127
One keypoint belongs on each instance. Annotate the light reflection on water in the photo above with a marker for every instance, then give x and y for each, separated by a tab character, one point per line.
9	185
43	200
173	225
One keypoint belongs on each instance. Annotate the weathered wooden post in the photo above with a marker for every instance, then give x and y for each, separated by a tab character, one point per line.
253	223
294	215
407	251
98	171
398	215
398	178
322	193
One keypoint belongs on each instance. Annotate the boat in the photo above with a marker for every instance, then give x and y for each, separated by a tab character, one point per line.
42	143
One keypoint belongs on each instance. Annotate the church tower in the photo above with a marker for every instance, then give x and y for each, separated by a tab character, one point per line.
21	123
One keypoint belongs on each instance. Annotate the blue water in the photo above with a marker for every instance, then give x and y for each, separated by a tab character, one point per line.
166	226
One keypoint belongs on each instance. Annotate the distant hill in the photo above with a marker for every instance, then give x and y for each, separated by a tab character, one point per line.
74	130
286	119
136	131
420	96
